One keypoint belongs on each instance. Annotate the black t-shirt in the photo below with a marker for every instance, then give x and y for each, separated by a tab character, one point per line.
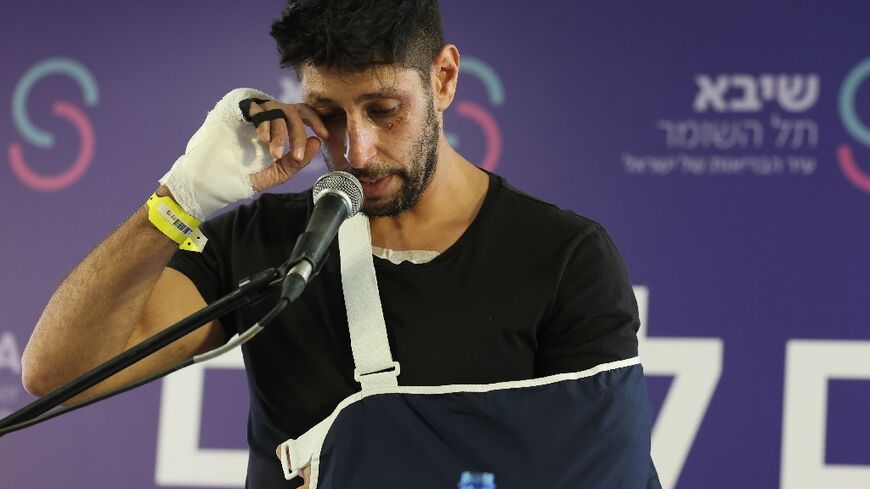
527	291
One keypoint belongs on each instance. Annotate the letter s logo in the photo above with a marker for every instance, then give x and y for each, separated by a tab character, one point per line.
41	139
856	128
479	115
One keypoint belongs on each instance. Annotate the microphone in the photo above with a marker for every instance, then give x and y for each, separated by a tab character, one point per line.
338	195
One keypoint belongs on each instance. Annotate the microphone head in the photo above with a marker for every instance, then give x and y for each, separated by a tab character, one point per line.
343	184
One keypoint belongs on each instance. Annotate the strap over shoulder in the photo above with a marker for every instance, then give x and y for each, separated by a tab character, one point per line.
374	362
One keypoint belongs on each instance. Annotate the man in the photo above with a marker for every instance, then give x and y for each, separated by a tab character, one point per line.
477	279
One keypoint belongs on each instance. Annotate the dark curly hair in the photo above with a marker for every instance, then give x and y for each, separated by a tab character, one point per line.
352	35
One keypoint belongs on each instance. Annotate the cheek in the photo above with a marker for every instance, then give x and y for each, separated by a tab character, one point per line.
395	143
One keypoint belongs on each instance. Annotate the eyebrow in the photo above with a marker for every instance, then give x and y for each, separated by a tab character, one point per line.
387	92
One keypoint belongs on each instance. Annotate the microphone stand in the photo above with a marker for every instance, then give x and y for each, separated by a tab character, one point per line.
249	290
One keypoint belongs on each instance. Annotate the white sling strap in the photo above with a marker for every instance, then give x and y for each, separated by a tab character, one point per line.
368	331
374	363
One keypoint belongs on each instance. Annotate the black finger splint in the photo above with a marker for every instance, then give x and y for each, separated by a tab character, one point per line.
268	115
245	106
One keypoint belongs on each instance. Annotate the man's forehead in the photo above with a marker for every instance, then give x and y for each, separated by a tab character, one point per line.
326	84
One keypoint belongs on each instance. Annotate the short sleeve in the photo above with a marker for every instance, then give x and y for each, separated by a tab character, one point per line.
208	269
594	317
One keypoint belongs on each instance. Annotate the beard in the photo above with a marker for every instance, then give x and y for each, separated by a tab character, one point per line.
423	160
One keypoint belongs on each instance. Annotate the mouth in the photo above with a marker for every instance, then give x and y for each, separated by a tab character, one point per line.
370	179
374	186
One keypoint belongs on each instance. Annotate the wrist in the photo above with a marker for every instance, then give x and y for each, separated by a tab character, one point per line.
173	221
163	191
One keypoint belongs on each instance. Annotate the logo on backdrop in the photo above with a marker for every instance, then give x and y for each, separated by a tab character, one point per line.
43	140
854	126
10	372
758	125
478	113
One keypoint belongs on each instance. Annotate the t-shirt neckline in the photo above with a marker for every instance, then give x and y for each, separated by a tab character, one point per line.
491	191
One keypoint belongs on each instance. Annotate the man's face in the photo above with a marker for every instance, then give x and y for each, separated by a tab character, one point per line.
383	129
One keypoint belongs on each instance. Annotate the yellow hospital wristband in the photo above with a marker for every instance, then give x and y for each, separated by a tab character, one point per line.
167	216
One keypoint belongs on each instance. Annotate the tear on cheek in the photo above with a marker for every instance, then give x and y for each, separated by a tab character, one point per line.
394	122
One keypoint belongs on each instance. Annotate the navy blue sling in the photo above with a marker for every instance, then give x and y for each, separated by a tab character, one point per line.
588	429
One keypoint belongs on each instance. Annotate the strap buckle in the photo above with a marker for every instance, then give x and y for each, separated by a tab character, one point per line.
381	377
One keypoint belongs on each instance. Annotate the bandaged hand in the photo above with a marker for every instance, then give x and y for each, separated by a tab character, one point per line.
230	159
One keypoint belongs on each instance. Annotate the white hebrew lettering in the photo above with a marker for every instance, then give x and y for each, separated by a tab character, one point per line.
671	138
724	136
757	131
746	93
796	133
689	132
808	127
710	93
797	93
766	86
692	134
783	126
802	165
649	164
748	101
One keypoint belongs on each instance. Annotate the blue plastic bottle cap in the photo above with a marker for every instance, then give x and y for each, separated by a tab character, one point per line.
477	480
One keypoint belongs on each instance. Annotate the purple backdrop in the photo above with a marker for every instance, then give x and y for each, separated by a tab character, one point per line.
720	143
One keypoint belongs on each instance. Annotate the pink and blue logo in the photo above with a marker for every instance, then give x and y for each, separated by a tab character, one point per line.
479	114
43	140
854	125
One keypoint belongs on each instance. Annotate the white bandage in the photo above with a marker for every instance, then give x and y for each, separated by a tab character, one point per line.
216	166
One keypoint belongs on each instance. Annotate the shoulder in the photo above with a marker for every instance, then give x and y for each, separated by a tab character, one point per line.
532	216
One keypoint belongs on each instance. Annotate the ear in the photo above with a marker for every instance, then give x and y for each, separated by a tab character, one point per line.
445	75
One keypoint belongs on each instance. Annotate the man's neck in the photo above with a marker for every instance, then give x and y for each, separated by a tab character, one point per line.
444	211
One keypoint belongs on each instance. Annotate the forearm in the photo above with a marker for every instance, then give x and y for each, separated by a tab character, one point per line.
122	293
92	314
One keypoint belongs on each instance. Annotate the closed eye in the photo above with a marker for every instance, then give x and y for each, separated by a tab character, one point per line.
383	111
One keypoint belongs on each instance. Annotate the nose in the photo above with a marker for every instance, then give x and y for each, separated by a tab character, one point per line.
359	143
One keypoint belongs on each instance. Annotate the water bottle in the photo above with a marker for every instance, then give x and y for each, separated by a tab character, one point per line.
476	480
